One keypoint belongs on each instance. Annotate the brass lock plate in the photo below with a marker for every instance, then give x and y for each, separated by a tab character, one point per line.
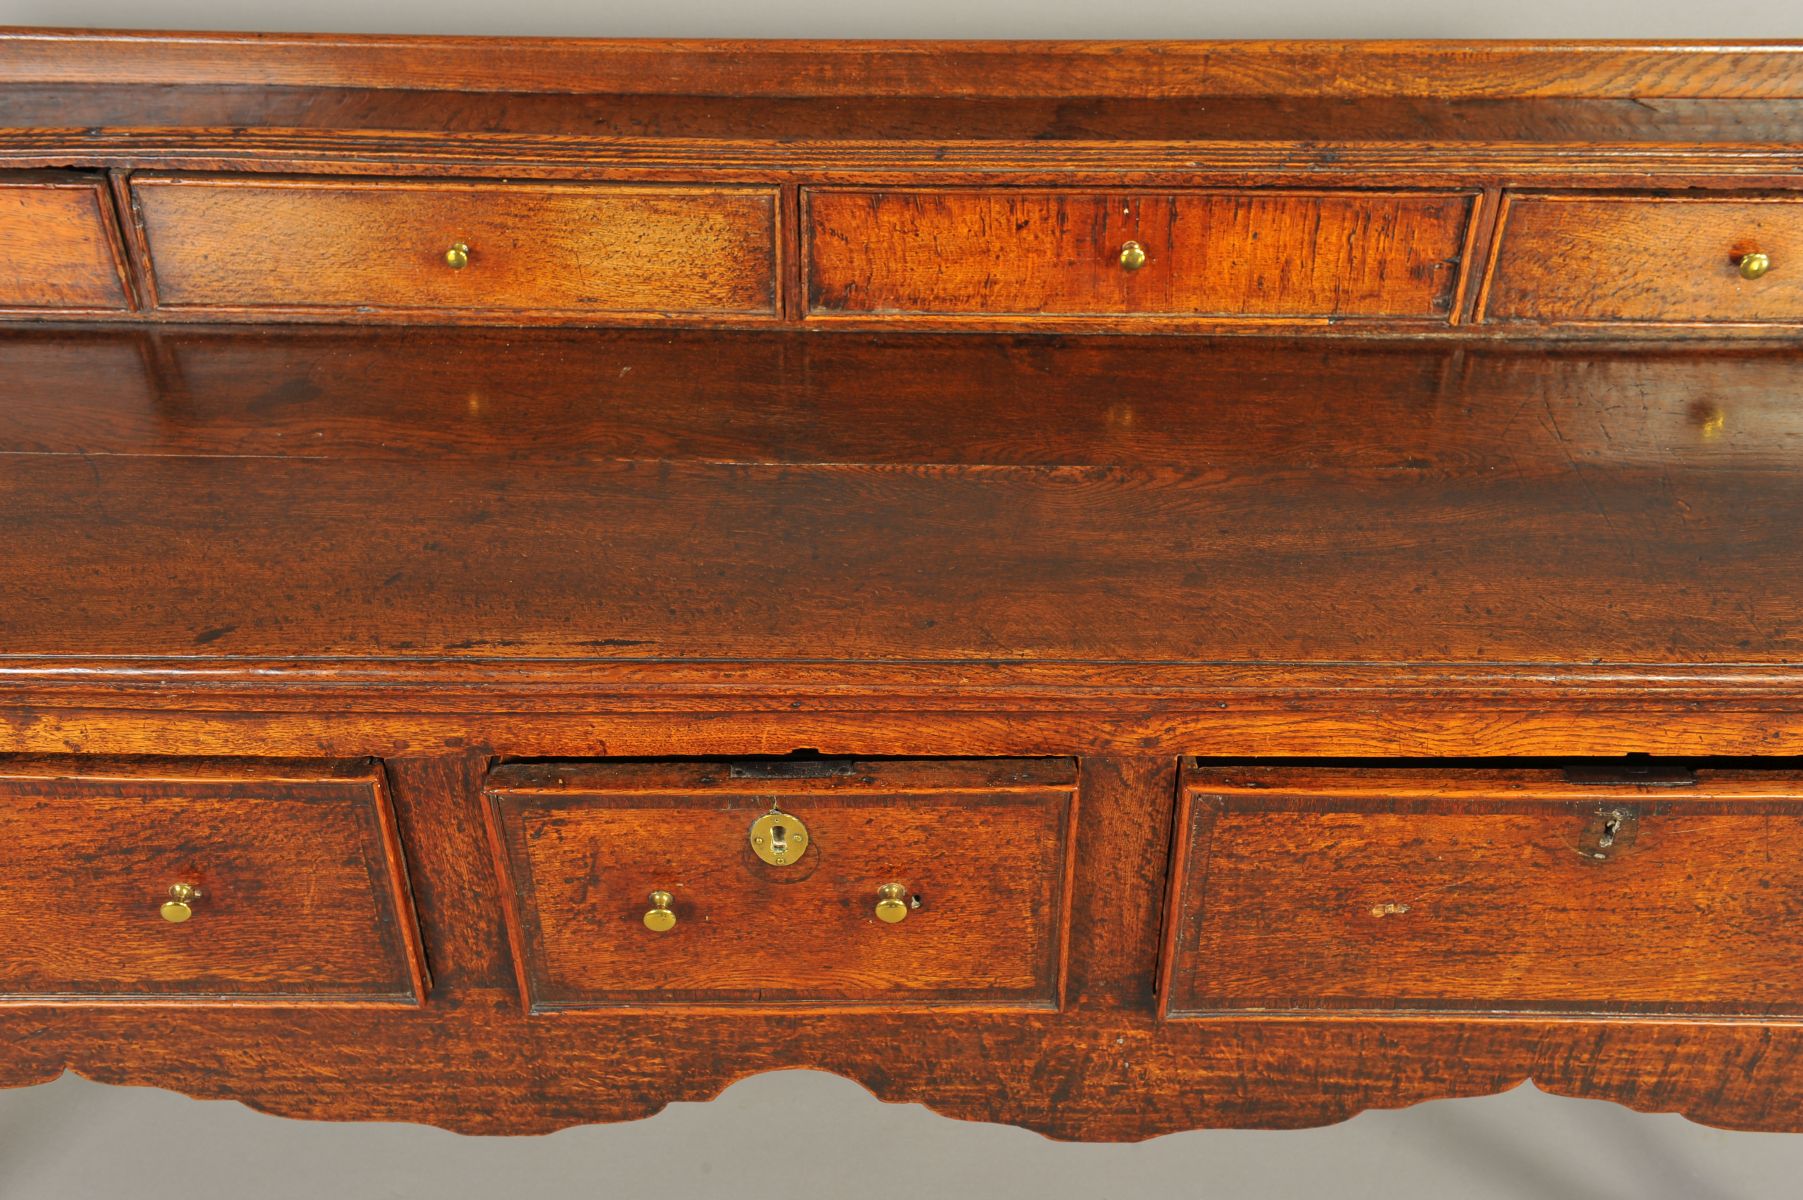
778	838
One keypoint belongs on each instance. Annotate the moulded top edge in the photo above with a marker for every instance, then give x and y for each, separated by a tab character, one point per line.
1428	69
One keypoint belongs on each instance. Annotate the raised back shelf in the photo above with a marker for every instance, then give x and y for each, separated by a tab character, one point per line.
1385	188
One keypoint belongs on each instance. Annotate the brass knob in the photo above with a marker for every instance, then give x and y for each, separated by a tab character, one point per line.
1133	256
458	256
1753	265
892	903
659	918
180	905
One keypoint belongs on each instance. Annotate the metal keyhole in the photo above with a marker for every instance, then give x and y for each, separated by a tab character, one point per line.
1608	832
1611	827
778	838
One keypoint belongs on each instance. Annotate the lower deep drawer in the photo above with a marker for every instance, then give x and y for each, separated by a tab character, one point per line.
927	882
158	880
1487	892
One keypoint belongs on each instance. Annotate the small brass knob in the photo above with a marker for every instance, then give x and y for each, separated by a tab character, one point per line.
892	903
1753	265
180	905
458	256
1133	256
659	918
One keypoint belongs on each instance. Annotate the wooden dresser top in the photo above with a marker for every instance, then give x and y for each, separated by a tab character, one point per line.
793	483
1148	506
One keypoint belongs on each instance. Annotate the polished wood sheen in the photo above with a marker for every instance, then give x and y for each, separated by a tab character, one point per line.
453	488
1647	258
1516	508
225	243
1431	70
1292	254
301	893
1486	892
57	248
981	850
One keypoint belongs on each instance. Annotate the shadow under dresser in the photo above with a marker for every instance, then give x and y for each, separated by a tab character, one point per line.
1113	588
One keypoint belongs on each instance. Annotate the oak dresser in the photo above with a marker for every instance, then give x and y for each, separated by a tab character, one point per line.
1107	587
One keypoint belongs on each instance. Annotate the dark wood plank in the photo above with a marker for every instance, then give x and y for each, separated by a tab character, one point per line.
438	394
1123	853
438	810
1545	515
174	556
1435	70
926	118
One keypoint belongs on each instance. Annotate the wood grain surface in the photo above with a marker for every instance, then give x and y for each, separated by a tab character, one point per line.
1545	516
1485	892
826	123
1646	258
982	850
62	251
303	896
224	243
1017	252
1423	69
1422	410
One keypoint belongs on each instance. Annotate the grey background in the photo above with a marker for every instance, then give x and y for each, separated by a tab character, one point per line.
74	1140
945	18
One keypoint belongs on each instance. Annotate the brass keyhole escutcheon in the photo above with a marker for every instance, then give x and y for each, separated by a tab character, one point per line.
778	838
1133	256
180	905
659	918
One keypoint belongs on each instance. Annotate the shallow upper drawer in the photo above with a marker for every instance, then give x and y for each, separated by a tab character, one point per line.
60	253
560	249
167	880
1648	258
1487	891
833	882
1192	254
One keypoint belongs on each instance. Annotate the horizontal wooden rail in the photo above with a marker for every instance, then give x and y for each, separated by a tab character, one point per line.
1645	70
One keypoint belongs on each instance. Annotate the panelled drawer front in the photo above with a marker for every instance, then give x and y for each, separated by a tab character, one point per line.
978	852
60	250
1028	253
224	243
300	896
1485	892
1594	258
